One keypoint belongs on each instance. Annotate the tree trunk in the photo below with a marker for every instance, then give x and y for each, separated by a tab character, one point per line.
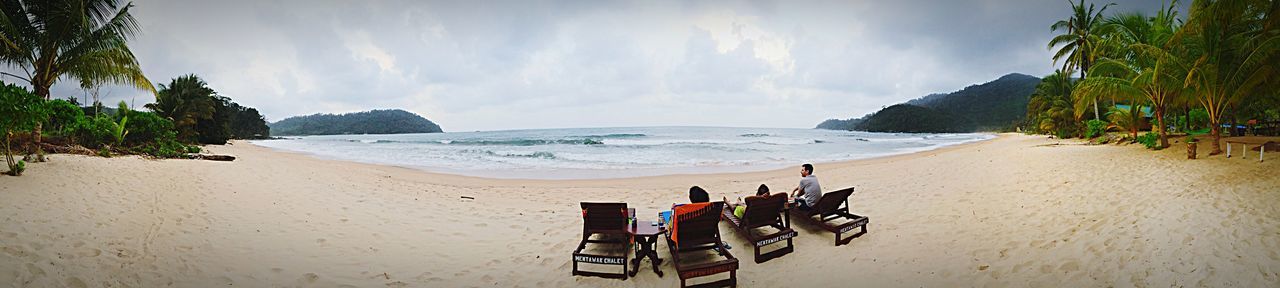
1164	139
1186	122
1217	138
42	90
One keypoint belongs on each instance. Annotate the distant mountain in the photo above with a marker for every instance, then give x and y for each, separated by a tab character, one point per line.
369	122
909	118
989	106
837	124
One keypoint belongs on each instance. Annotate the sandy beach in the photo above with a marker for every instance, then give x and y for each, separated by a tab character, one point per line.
1014	211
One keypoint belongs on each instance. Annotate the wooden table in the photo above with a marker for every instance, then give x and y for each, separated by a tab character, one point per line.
647	235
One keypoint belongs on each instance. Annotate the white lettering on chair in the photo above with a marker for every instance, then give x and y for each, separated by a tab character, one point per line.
600	260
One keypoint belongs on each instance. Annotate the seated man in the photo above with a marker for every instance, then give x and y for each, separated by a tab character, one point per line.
697	195
808	191
740	207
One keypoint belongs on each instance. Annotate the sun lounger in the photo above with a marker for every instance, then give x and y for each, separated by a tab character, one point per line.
763	212
608	220
830	210
695	228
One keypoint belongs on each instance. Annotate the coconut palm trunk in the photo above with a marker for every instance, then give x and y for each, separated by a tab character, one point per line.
1160	128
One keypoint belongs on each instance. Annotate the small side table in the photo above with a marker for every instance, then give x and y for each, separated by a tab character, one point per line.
647	236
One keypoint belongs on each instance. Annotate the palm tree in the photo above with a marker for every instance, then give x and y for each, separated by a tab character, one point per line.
1049	109
79	39
1144	72
1230	47
1080	44
1127	119
186	101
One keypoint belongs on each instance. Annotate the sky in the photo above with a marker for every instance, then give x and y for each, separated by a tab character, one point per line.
498	65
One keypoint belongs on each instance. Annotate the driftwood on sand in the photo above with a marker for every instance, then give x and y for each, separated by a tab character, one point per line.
212	157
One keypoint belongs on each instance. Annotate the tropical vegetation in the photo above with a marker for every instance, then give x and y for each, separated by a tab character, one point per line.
1216	67
86	41
998	105
368	122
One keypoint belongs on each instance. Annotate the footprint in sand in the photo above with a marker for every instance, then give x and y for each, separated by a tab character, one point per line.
88	252
76	283
1070	266
35	271
308	278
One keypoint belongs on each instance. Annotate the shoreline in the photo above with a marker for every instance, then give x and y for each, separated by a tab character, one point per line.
620	174
1012	211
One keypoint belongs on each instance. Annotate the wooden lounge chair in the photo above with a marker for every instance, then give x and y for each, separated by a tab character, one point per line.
829	211
609	220
763	212
695	228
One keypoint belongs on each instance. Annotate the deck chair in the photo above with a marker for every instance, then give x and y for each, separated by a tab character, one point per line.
695	228
763	212
829	212
608	220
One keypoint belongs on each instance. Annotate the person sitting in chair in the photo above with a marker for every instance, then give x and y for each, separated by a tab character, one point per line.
740	207
808	192
697	195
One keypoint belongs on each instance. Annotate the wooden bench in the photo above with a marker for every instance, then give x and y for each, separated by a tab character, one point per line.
1244	146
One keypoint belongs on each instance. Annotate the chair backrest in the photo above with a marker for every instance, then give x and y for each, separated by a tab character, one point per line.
830	201
604	217
763	211
699	227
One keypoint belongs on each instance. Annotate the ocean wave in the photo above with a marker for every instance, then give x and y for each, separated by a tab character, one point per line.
535	154
754	135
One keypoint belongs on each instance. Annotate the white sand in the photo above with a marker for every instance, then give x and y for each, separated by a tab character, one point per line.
1006	212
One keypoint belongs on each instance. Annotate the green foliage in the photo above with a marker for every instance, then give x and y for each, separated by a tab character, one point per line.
1150	139
247	123
1198	117
1050	111
200	115
186	101
147	127
104	152
20	110
909	118
1190	139
94	132
369	122
75	39
1127	119
1095	128
61	114
991	106
987	107
18	168
121	130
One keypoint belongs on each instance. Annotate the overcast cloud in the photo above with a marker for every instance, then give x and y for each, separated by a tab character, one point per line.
536	64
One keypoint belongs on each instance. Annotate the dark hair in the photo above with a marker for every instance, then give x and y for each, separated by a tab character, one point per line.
808	167
697	195
762	191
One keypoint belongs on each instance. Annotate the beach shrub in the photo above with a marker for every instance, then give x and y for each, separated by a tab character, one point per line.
1095	128
20	110
1199	119
146	128
1150	139
94	132
62	114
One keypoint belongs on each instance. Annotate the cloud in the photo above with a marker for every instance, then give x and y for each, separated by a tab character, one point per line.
541	64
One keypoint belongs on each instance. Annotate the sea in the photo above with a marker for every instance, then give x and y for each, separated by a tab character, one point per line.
593	153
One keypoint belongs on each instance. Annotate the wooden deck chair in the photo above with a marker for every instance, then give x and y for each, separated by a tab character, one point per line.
696	228
830	209
763	212
609	220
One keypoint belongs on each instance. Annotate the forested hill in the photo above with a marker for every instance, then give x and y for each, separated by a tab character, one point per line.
989	106
369	122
